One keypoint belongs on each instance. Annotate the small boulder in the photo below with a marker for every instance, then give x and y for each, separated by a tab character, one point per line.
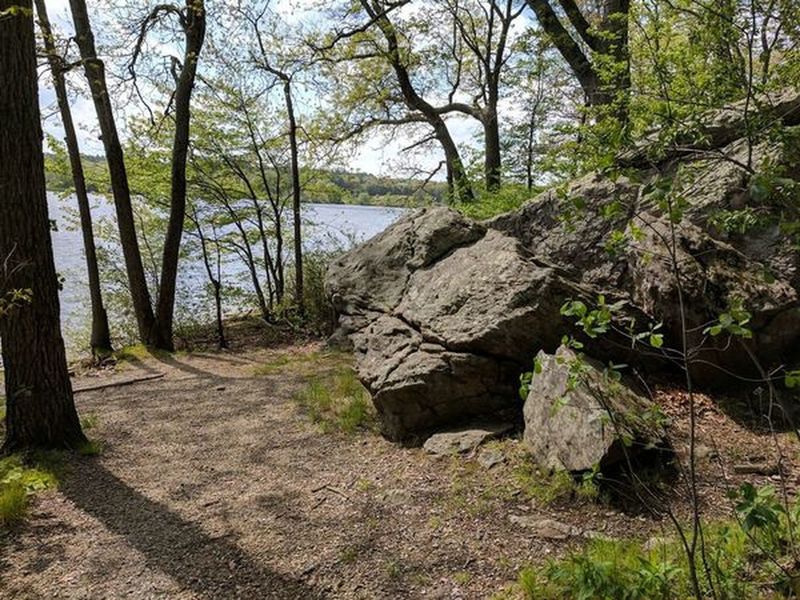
465	440
577	418
489	458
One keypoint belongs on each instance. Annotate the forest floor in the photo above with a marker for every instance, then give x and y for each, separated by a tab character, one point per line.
214	483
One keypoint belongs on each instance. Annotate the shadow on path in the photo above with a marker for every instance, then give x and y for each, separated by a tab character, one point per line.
211	567
191	370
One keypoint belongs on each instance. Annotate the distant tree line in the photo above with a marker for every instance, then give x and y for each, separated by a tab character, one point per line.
335	186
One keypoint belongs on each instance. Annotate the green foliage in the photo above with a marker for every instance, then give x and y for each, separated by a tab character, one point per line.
737	558
13	299
791	379
18	482
337	402
594	322
758	508
91	448
735	221
733	321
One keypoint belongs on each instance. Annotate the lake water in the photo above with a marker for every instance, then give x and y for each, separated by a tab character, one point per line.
327	226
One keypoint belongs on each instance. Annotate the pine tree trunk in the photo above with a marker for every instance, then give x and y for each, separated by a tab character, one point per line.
95	75
40	408
101	336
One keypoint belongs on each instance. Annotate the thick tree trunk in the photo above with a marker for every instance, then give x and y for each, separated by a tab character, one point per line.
95	75
39	403
195	35
100	336
299	296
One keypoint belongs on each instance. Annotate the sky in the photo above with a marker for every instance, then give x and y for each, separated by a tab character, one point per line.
375	155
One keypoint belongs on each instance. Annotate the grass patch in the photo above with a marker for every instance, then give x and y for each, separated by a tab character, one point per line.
273	366
302	362
545	488
20	480
139	352
338	402
91	448
349	555
89	422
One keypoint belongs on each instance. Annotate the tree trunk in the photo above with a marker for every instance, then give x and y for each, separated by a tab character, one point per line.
40	408
529	150
101	335
492	157
216	283
195	34
299	296
95	75
611	41
614	43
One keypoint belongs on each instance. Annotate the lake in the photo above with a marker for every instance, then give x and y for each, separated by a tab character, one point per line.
327	226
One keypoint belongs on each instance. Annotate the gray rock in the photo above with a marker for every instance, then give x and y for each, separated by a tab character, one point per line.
753	468
544	528
463	440
489	458
576	418
452	348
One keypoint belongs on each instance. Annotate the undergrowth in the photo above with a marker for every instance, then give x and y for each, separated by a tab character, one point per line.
751	556
20	479
337	402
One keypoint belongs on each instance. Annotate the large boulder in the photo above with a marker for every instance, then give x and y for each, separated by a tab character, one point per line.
577	417
451	343
444	313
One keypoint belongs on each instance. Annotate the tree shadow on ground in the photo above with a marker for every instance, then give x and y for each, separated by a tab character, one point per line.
211	567
190	369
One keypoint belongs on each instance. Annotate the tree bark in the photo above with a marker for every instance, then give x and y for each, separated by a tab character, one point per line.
100	336
95	75
40	408
195	34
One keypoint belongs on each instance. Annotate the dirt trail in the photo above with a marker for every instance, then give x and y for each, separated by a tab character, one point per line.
213	484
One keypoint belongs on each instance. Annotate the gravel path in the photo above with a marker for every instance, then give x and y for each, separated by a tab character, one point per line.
213	484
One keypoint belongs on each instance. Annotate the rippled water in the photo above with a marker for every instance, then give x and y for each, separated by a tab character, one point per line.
327	226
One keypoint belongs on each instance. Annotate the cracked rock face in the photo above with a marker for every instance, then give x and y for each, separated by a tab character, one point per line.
444	313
